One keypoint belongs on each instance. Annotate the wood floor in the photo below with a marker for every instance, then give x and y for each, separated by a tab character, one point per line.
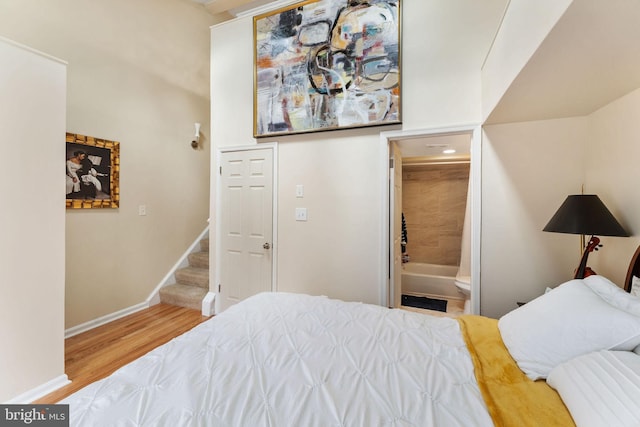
97	353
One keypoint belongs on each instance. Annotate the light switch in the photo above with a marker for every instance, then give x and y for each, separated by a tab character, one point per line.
301	214
142	210
299	190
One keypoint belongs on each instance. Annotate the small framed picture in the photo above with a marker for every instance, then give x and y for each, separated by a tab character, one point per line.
92	172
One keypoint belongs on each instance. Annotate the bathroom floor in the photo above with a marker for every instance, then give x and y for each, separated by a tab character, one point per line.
455	307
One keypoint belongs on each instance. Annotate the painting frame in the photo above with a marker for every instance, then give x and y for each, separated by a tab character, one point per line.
95	185
322	65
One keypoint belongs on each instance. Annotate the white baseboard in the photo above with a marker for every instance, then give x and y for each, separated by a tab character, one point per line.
208	302
40	391
75	330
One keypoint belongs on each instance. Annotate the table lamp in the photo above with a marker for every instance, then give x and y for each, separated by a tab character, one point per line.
585	214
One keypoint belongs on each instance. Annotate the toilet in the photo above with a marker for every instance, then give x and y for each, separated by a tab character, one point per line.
463	283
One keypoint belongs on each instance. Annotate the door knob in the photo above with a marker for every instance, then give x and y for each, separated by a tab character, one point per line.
266	246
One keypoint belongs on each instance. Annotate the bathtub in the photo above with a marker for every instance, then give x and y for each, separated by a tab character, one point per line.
431	279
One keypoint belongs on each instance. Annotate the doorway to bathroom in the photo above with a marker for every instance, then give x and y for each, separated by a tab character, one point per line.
433	220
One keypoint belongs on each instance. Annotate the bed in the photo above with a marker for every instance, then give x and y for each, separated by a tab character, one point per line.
281	359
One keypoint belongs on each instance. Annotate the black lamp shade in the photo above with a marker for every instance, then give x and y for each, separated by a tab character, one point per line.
585	214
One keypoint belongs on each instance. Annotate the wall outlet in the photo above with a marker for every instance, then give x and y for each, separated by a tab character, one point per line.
301	214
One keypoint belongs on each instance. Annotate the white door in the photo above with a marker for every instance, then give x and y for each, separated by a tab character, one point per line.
395	194
246	226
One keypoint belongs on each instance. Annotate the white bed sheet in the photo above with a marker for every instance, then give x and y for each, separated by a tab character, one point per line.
281	359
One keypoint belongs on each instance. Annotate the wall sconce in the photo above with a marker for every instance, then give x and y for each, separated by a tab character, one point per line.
194	143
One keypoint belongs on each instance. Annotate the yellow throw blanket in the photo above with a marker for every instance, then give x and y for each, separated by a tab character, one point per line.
512	398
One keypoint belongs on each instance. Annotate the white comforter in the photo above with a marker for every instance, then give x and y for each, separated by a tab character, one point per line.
295	360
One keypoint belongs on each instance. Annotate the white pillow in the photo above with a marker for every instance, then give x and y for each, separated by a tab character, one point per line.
569	321
600	389
635	286
613	294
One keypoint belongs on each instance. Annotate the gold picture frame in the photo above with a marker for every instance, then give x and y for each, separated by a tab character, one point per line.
322	65
92	172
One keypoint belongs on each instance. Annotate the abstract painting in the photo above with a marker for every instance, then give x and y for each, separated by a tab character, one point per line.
326	65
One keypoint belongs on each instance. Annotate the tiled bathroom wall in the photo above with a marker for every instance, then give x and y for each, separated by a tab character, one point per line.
434	198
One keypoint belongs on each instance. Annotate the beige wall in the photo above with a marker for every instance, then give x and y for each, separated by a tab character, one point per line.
528	169
337	252
519	196
434	199
612	174
138	74
32	120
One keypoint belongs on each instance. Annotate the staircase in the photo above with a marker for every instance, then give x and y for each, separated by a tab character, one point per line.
192	282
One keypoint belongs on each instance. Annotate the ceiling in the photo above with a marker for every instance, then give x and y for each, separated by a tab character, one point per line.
226	9
430	148
590	58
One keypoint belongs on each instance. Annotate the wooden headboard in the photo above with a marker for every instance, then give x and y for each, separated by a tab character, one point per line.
634	270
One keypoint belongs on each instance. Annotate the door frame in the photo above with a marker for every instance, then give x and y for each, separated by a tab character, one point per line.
217	255
395	171
386	255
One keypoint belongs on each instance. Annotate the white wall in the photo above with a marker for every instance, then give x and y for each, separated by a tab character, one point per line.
528	169
138	74
337	251
32	129
612	174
